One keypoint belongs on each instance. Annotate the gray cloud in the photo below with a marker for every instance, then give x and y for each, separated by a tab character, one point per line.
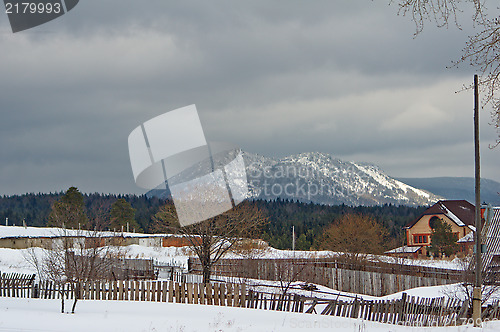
276	78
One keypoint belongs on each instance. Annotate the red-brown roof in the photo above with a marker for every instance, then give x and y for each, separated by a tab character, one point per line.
461	209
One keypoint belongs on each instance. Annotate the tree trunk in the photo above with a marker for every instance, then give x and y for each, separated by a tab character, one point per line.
206	274
74	305
205	259
75	297
62	304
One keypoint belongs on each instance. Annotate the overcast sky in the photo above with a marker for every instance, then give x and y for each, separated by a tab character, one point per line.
273	77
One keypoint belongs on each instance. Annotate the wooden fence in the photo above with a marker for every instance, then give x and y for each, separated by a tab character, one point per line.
408	310
16	285
370	278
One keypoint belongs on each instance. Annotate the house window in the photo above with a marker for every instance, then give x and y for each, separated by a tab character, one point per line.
419	238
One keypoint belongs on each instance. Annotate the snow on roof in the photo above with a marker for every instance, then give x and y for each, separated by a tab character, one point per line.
403	250
468	238
450	215
34	232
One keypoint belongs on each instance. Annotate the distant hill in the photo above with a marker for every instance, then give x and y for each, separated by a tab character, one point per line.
457	188
321	178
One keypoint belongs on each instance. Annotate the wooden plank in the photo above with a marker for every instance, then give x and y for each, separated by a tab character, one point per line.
216	293
137	290
250	300
170	291
109	290
208	288
202	290
222	292
229	295
86	287
312	307
327	309
243	295
115	290
182	292
189	287
120	290
196	293
158	291
144	290
177	293
95	287
421	309
164	289
236	295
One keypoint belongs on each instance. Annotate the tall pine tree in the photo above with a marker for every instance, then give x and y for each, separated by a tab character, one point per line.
69	211
122	213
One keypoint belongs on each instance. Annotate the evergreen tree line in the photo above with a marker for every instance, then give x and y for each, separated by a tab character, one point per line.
35	209
309	220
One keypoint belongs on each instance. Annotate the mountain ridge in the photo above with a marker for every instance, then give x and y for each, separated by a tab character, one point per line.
322	178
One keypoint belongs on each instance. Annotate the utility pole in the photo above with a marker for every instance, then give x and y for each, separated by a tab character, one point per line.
476	294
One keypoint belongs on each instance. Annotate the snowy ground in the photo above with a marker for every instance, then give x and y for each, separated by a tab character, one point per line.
146	316
166	255
43	315
13	260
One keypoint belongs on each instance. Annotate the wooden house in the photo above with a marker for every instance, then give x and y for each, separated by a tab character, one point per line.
459	214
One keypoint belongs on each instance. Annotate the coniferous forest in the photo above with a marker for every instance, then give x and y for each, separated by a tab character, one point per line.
308	219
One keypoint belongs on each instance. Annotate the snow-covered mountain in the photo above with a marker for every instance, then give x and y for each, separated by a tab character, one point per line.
322	178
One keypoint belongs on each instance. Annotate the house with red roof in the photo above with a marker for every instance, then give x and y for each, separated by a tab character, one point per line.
459	214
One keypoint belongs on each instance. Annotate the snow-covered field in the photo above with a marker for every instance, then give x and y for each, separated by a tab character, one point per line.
44	315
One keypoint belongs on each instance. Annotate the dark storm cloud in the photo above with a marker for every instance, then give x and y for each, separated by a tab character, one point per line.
276	78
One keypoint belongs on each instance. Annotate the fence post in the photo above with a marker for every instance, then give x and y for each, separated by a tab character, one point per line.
243	297
34	292
402	308
355	308
202	289
216	293
196	293
208	288
189	293
170	291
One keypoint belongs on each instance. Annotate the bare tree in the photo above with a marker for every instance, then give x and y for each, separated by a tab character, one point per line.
355	236
212	238
75	257
489	287
482	50
288	271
